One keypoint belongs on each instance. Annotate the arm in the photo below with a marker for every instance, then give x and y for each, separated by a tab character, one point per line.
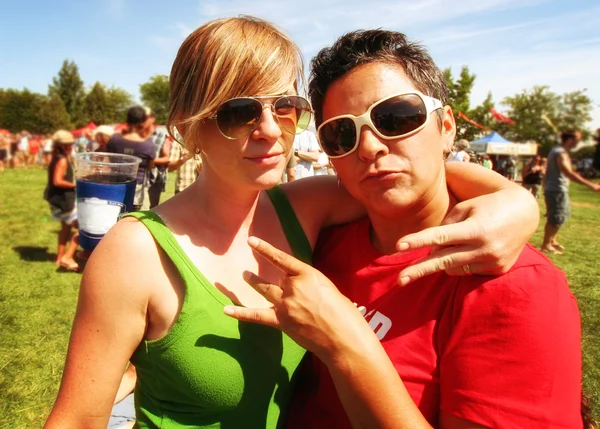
58	178
164	154
111	315
310	309
127	383
311	156
487	232
178	157
564	163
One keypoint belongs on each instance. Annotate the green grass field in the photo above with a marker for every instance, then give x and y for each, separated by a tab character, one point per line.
37	303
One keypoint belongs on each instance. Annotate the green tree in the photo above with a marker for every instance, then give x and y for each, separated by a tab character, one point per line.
118	101
52	115
19	109
96	104
155	94
69	87
459	98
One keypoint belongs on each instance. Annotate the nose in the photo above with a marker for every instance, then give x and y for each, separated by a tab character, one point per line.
370	146
267	127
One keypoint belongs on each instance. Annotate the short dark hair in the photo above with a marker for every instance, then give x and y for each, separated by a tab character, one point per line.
369	46
568	134
136	115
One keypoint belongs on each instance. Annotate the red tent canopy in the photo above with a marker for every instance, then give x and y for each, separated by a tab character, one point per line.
88	128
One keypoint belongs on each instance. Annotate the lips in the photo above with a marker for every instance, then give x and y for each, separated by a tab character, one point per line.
380	175
265	159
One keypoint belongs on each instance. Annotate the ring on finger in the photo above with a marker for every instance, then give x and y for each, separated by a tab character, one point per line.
467	270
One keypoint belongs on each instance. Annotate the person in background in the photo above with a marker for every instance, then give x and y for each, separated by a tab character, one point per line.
533	175
322	166
157	176
487	162
4	150
306	149
187	165
460	151
47	150
559	172
596	163
34	150
23	148
289	175
101	137
136	141
510	168
60	194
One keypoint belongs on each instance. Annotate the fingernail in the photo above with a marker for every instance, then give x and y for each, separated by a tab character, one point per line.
403	246
252	241
246	275
404	281
228	310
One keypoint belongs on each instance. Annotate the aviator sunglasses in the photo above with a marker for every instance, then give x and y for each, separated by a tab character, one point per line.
238	117
390	118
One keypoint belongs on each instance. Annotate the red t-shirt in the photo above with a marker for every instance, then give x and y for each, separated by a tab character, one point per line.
502	351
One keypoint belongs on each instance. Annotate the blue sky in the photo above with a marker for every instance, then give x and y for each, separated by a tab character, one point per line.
509	44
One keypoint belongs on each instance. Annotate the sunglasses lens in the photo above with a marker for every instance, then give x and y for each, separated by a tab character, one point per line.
237	117
399	115
338	137
293	113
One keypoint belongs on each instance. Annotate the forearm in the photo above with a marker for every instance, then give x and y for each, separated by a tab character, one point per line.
64	184
308	156
371	391
164	160
578	179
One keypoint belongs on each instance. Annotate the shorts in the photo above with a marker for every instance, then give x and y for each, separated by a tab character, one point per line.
61	216
558	207
3	154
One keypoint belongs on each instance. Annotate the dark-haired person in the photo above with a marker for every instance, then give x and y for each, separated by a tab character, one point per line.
234	100
559	172
533	175
499	351
136	141
60	194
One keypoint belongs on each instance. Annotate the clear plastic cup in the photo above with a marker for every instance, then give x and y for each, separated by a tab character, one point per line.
105	190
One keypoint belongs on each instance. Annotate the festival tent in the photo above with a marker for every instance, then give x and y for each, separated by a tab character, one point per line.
80	131
495	144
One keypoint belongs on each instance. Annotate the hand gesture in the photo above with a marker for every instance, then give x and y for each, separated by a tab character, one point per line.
306	305
484	235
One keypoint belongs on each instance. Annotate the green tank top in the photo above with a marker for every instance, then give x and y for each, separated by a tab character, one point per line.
211	371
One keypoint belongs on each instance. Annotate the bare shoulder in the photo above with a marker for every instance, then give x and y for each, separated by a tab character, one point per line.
323	199
126	260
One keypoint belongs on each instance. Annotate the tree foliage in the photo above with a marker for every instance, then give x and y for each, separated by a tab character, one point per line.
527	109
106	105
68	85
155	94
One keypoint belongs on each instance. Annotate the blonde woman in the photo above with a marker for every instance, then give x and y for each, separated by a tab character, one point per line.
172	270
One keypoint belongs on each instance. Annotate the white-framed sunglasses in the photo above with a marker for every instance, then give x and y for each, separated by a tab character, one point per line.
396	116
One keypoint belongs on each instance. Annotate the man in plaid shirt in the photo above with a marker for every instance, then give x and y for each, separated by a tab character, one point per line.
187	165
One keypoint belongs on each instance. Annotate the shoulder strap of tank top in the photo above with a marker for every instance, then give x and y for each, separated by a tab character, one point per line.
291	225
165	239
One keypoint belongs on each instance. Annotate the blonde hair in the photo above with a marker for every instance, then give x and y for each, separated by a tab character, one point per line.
462	144
228	58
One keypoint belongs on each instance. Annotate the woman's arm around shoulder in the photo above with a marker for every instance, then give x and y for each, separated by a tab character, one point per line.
109	324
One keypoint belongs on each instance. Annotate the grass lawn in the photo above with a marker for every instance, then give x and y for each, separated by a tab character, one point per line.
37	302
